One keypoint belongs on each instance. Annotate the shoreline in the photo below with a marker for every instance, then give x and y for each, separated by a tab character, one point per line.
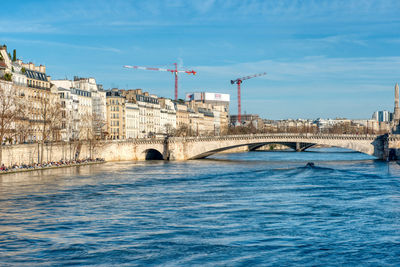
51	167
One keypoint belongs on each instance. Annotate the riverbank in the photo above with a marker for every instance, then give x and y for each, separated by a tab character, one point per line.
49	165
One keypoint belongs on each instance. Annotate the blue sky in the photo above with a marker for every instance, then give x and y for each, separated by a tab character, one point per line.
323	58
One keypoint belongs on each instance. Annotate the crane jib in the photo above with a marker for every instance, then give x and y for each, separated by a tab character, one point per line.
174	71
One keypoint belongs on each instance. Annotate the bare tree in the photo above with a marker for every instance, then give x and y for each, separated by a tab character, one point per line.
50	114
95	132
169	130
23	127
182	131
10	107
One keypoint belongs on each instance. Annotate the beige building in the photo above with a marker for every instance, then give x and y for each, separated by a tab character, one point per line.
182	115
116	115
216	102
214	120
38	120
196	122
36	76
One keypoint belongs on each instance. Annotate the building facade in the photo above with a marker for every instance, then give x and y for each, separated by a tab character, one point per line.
149	111
131	120
116	115
167	116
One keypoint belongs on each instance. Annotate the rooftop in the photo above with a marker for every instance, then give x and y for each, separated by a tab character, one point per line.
36	75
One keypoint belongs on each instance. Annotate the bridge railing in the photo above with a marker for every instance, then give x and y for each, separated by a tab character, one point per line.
278	136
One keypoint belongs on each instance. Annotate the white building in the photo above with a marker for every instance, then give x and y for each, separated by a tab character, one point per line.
15	68
149	111
68	114
98	97
88	107
167	115
382	116
131	120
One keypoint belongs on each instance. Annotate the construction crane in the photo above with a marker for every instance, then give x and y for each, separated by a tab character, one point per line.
174	71
239	81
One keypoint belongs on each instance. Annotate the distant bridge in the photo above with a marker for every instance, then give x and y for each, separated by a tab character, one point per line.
385	147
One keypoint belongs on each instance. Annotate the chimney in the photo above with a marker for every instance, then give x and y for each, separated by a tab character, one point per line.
42	69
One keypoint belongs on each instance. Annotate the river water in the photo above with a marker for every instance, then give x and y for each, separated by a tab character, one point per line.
245	209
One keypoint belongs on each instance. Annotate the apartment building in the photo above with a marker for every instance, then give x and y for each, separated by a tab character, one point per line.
88	107
167	116
149	111
116	115
182	115
131	120
38	119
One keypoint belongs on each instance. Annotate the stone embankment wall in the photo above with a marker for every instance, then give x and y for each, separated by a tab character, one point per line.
108	150
32	153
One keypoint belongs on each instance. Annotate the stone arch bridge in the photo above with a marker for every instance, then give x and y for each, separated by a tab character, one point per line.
385	147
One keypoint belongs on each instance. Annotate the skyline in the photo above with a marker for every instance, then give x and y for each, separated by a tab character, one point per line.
331	59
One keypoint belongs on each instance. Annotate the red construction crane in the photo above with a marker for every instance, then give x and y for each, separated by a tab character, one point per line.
238	81
175	71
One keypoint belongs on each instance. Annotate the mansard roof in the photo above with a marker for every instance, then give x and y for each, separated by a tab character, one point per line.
36	75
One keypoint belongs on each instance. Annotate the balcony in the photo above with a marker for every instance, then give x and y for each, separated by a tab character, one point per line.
38	87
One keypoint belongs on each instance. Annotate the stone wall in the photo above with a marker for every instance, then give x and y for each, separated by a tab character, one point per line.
33	153
393	147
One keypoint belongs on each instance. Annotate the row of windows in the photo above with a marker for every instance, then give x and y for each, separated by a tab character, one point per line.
81	93
147	99
114	123
32	83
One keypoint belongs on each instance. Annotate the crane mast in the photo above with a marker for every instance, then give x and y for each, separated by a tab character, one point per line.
175	71
239	81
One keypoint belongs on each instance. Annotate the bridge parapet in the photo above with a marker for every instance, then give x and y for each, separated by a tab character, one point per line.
275	136
138	141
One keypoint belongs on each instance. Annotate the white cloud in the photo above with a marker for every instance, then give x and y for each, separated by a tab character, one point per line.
51	43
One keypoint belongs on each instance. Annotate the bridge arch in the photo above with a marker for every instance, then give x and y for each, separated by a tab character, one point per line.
257	145
152	154
292	145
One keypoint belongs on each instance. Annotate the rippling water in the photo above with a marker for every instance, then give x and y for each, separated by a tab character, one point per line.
257	208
